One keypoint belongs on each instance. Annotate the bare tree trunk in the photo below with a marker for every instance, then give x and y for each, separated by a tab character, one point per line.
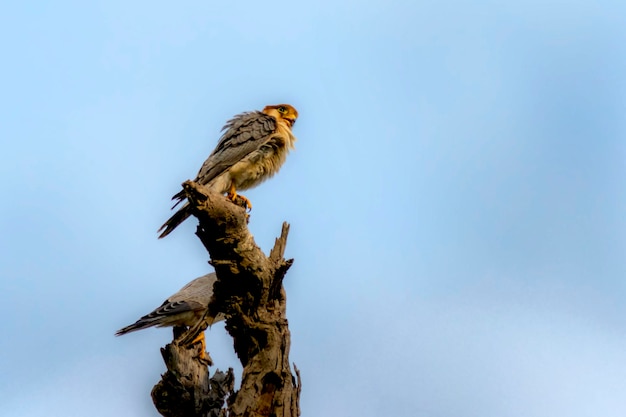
250	293
186	390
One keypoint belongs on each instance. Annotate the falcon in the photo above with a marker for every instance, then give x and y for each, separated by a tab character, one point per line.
252	149
185	308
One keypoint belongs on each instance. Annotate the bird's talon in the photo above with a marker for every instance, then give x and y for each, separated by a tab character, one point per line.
241	201
246	203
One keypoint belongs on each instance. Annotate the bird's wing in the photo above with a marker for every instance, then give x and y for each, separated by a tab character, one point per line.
198	291
243	134
194	296
169	308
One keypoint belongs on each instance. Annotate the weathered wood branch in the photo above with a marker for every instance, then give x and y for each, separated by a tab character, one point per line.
249	292
186	390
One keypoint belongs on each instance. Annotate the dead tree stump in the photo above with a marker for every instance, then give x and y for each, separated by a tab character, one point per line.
249	292
186	390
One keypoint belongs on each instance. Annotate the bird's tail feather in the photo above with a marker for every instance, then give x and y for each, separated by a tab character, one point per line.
173	222
180	196
138	325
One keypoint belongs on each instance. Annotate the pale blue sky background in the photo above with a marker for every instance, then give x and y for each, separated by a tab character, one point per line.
456	198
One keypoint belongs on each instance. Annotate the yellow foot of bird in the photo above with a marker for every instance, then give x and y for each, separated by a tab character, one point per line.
246	203
240	201
203	355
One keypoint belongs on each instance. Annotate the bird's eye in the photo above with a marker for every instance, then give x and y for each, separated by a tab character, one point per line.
281	109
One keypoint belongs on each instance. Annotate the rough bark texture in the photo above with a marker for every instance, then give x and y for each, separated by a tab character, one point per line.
186	390
250	293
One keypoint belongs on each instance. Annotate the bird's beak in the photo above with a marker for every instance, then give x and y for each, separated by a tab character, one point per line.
291	121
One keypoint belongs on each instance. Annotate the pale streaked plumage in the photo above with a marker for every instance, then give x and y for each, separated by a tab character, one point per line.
252	149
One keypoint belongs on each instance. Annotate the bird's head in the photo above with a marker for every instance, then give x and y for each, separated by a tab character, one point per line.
285	112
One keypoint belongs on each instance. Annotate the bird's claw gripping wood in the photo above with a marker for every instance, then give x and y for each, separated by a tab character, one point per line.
203	355
239	199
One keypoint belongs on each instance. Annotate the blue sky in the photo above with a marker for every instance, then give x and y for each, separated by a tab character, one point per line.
456	198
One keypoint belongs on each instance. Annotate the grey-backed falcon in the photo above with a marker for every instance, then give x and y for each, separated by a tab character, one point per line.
187	307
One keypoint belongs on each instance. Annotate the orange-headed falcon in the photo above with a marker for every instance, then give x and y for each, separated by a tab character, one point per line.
252	149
